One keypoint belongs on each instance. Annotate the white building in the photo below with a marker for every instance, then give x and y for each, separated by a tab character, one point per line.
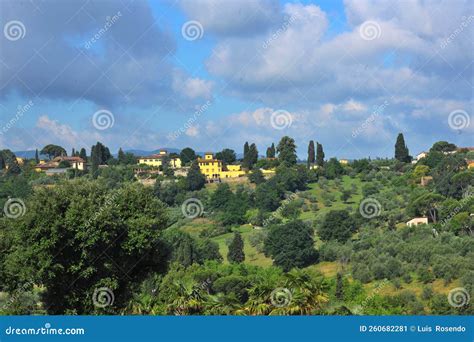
417	220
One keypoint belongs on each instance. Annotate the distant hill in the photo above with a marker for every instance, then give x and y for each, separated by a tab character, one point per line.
28	154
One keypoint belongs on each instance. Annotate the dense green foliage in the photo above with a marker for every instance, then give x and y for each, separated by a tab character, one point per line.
291	245
296	243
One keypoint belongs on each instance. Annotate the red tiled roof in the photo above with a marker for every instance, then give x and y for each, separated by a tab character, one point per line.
69	159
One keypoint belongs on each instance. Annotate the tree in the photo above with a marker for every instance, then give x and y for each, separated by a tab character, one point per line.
250	157
443	146
339	287
53	151
73	152
319	155
271	151
287	151
8	159
187	155
246	149
337	225
401	150
256	177
37	160
83	154
100	153
227	155
333	169
121	156
267	196
208	250
236	249
291	245
345	195
195	180
426	204
420	171
221	197
66	256
462	181
311	153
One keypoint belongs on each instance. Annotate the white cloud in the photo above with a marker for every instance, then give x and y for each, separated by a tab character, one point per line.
192	88
192	131
354	106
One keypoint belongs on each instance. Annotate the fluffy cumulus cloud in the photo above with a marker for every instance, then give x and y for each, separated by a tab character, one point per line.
410	53
353	85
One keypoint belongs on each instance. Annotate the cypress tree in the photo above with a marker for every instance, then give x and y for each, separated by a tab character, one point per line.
339	287
246	149
95	159
271	151
401	150
319	155
121	156
83	154
252	156
37	160
236	249
311	153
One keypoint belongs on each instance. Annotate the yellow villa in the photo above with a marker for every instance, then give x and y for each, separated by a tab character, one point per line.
157	160
213	168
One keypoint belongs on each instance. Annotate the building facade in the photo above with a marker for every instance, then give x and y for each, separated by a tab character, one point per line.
214	169
159	159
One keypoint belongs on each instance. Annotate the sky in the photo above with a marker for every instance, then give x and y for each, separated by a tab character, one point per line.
213	74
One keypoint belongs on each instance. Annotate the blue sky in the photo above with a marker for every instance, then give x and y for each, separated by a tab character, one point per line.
213	74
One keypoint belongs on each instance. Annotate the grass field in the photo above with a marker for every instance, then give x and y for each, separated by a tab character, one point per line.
317	191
